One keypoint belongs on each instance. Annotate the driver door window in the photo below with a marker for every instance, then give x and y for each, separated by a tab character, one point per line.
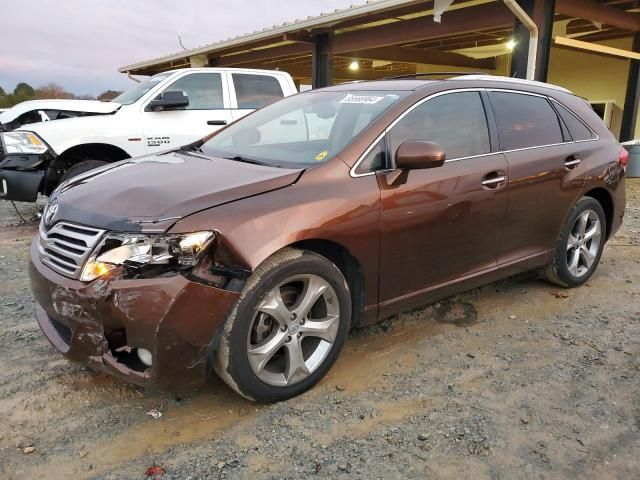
455	121
203	89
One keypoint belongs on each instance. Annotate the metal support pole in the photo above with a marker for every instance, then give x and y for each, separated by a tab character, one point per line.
632	97
321	61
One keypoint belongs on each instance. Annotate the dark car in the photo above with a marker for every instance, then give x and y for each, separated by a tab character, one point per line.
252	252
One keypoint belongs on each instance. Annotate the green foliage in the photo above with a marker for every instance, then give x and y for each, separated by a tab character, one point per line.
24	92
4	99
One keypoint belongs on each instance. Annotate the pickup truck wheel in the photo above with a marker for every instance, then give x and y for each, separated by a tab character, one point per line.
579	247
287	328
82	167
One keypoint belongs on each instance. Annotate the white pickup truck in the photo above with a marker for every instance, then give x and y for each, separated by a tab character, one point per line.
166	111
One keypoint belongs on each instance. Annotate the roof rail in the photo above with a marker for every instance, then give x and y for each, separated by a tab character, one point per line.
433	74
499	78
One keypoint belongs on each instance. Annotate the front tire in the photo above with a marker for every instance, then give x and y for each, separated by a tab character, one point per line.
287	328
579	247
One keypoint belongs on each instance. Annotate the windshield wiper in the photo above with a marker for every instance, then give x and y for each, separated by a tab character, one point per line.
195	146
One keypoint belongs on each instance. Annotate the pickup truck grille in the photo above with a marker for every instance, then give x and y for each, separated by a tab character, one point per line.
65	247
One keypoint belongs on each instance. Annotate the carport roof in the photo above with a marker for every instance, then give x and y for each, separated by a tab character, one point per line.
311	22
398	33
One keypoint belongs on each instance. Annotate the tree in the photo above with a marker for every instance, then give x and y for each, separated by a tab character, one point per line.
52	90
108	95
4	99
22	92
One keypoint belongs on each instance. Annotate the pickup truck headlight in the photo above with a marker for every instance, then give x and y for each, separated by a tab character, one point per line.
23	142
180	251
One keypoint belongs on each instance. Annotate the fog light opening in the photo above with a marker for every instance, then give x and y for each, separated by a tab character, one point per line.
145	356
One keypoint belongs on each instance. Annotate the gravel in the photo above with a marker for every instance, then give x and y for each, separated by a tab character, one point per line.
518	379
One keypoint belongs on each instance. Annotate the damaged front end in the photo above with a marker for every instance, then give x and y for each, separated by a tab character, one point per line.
143	307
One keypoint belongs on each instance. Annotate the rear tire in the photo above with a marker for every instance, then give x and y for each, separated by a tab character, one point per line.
82	167
579	247
287	328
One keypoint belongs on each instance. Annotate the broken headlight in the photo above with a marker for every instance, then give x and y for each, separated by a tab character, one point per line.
138	251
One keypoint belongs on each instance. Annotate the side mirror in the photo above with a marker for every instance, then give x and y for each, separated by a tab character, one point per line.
418	154
169	100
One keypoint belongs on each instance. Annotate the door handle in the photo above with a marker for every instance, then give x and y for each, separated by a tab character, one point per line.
216	122
572	161
493	181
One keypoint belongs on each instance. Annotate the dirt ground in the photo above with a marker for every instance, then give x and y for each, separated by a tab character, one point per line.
518	379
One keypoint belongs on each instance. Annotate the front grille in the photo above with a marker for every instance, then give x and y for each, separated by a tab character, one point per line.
66	246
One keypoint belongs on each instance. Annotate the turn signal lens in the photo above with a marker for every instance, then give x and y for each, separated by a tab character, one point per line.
93	270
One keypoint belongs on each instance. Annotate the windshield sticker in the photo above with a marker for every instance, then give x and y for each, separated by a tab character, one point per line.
322	155
361	99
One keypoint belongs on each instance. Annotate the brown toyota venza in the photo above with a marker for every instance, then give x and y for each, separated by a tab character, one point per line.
251	253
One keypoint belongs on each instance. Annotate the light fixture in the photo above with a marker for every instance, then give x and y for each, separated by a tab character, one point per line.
353	66
511	44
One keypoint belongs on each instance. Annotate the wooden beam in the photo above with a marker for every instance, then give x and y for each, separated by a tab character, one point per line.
597	12
595	48
257	56
338	74
420	55
300	37
455	22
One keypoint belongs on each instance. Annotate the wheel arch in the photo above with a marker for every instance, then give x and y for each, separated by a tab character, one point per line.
106	152
604	198
347	263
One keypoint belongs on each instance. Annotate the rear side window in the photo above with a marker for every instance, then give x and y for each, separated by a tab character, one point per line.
525	121
256	91
577	129
203	89
455	121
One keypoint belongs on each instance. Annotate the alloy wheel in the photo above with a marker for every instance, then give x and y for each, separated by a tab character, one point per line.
293	330
583	243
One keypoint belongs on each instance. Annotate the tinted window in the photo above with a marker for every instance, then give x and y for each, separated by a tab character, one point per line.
525	121
256	91
577	129
374	160
455	121
203	89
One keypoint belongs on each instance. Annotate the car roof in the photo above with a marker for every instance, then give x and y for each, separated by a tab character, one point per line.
477	80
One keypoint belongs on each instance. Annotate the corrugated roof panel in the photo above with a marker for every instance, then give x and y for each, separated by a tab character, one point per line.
370	6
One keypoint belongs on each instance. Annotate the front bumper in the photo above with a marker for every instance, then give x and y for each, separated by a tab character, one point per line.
20	185
22	176
102	323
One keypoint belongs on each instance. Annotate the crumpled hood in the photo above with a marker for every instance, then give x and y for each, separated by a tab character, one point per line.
151	193
89	106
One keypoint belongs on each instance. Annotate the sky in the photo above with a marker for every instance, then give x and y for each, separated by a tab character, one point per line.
80	44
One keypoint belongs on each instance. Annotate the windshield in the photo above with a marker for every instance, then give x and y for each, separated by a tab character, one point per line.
134	93
301	130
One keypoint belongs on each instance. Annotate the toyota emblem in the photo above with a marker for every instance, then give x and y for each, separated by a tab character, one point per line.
50	214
